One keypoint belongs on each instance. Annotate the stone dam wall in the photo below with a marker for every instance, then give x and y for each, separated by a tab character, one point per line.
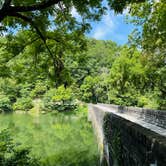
129	136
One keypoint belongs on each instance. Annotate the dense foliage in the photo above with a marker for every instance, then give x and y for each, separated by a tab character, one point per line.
23	104
59	99
105	73
95	71
5	104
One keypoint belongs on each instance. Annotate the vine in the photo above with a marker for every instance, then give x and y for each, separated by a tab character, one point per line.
113	139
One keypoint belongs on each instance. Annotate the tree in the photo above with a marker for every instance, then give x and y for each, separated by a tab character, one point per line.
50	16
38	14
126	77
59	99
151	16
98	56
94	89
55	26
13	7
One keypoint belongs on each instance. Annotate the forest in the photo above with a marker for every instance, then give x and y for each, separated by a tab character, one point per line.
50	70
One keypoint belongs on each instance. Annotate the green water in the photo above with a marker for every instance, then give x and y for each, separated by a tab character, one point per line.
58	140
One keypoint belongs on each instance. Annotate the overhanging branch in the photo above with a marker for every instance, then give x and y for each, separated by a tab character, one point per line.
39	6
7	9
29	43
6	3
30	21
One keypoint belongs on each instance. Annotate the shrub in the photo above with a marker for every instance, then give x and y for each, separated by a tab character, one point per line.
39	90
24	104
148	101
25	89
9	88
5	104
59	99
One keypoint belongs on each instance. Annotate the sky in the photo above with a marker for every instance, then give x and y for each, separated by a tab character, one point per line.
111	27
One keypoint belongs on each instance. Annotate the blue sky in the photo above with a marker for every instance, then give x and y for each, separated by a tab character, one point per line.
111	27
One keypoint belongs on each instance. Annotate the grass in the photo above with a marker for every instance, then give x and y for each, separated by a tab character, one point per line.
57	139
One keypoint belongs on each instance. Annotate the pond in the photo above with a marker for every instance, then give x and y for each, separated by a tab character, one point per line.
58	140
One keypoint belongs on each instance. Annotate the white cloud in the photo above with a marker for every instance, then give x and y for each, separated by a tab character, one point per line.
99	33
108	21
106	26
126	11
75	13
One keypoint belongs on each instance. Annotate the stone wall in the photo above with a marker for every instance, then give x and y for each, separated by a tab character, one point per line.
132	145
156	117
126	143
97	117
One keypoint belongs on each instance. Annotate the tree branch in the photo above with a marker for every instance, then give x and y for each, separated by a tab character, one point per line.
29	43
39	6
4	8
6	4
27	19
7	10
